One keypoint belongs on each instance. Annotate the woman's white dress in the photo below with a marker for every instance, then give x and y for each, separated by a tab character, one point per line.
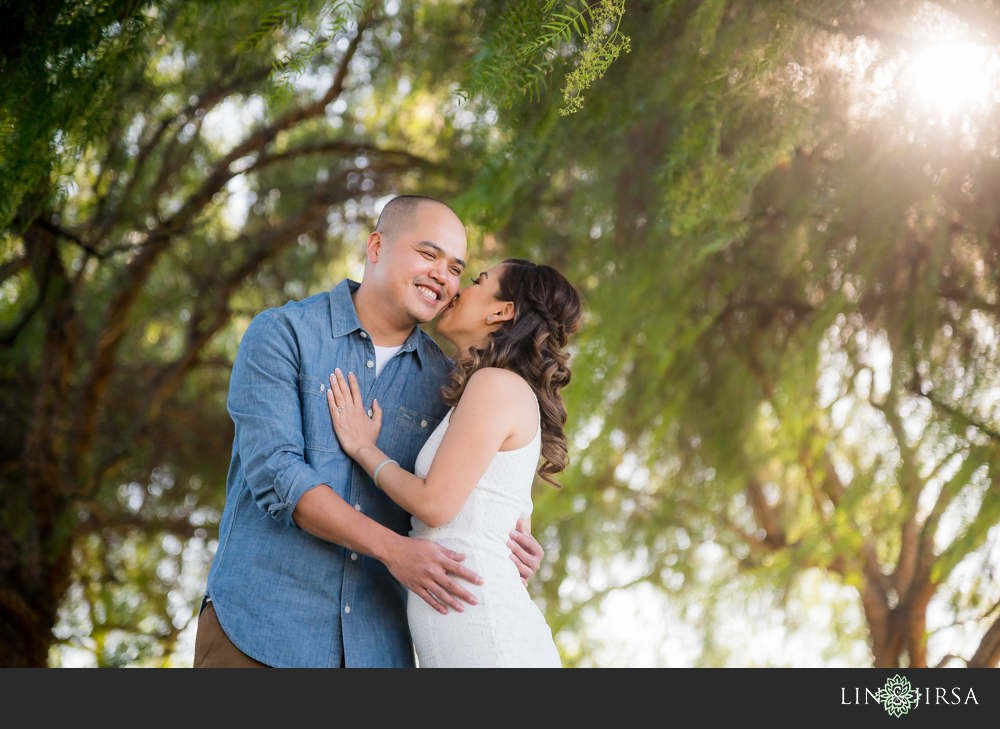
506	629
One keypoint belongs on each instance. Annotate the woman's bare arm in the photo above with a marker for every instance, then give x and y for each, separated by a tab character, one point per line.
497	411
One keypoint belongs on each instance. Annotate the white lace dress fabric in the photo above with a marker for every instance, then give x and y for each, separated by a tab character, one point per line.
506	629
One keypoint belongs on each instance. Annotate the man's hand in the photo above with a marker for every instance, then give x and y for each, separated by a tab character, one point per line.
525	550
428	570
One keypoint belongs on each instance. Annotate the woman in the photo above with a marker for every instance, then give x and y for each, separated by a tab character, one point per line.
473	476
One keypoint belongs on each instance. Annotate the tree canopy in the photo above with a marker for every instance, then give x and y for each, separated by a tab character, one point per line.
786	236
206	198
789	258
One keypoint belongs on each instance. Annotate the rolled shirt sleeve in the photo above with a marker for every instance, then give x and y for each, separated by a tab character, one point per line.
264	405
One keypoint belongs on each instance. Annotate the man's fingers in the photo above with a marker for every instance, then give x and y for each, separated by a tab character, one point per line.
460	570
429	598
450	597
455	567
451	591
450	554
376	414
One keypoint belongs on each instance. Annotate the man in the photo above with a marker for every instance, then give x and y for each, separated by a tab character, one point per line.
312	568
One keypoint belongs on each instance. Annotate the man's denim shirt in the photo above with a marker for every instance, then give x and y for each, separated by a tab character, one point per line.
283	596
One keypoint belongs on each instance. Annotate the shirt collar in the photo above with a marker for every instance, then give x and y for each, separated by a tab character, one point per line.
344	320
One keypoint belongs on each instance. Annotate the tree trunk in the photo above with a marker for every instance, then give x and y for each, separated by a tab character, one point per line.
34	543
25	629
898	634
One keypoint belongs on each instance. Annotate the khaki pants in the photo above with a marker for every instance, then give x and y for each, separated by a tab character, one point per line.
213	649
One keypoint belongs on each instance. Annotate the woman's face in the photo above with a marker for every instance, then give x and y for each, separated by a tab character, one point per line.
463	321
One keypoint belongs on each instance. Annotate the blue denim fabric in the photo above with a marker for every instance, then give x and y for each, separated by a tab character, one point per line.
283	596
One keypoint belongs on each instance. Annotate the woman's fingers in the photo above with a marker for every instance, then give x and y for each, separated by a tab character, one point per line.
347	394
347	411
342	388
334	392
356	390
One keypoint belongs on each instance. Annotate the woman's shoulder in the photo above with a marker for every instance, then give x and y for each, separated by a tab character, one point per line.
498	378
500	401
504	399
500	388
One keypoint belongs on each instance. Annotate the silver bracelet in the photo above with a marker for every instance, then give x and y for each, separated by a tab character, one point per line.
379	468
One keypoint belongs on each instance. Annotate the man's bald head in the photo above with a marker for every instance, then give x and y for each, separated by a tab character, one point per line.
413	262
399	213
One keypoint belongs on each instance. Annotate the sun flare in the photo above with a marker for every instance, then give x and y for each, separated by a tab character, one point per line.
955	76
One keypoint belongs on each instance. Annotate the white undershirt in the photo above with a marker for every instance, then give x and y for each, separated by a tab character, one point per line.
383	355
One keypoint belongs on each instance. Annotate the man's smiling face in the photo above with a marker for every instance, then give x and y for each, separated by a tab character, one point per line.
419	265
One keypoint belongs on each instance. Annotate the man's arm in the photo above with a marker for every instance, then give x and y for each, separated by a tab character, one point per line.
264	404
424	567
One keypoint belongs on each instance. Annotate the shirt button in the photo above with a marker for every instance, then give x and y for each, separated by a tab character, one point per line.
347	608
370	412
369	363
354	557
423	423
364	336
358	507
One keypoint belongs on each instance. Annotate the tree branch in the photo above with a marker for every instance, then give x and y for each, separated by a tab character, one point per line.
8	336
207	100
976	458
223	172
955	414
340	147
948	659
774	535
973	535
119	309
13	267
909	483
265	245
987	655
42	222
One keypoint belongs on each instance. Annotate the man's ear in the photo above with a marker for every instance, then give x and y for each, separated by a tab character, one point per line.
506	312
374	246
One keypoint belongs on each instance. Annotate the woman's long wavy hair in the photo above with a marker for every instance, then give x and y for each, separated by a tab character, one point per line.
547	311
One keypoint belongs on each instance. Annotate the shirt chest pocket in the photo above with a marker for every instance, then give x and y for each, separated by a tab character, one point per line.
317	430
411	432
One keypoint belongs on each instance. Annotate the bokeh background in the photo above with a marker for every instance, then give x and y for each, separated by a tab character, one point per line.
784	217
